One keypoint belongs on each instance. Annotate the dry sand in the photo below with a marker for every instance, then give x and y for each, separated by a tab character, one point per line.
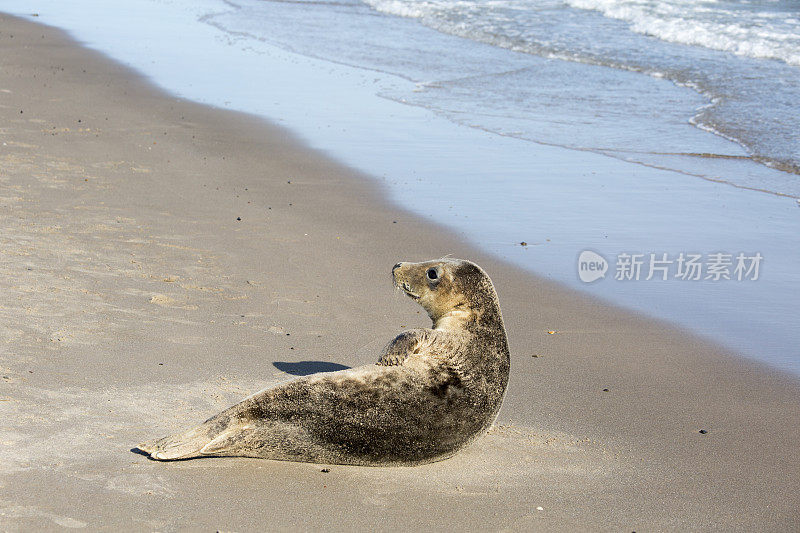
136	303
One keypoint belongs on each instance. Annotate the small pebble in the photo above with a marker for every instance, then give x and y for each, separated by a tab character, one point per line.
238	218
605	390
325	470
703	431
523	243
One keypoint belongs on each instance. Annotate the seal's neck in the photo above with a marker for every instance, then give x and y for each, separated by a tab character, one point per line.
455	319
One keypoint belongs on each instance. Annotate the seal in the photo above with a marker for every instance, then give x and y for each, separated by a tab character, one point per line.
432	391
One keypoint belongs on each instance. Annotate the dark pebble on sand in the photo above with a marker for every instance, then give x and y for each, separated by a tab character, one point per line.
238	218
605	390
325	470
703	431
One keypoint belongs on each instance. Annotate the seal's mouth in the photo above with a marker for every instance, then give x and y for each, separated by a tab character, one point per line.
407	288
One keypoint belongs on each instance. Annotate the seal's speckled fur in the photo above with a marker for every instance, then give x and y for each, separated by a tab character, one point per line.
431	392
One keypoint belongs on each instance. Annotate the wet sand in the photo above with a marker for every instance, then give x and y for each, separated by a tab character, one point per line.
161	260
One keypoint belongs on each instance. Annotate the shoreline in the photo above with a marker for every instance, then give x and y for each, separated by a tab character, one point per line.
560	200
139	304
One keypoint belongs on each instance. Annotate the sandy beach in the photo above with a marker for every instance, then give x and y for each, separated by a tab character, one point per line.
161	260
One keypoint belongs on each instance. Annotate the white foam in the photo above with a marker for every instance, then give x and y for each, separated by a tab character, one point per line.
401	8
759	34
756	33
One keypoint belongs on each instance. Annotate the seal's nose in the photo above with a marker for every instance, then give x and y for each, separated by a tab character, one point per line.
396	267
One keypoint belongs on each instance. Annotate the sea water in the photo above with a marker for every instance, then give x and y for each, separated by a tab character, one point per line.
646	133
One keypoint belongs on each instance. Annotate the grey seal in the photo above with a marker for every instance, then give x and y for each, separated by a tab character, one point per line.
432	391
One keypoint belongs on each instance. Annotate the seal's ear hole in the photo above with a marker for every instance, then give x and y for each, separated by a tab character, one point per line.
432	274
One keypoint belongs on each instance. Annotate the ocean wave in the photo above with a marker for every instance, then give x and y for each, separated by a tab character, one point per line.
743	60
760	30
767	31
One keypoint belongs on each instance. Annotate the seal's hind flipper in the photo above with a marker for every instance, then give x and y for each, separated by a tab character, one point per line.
181	446
227	442
147	447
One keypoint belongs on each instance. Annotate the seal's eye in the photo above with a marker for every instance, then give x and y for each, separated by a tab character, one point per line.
432	274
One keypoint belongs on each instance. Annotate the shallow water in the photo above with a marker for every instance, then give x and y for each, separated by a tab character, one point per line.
744	60
503	146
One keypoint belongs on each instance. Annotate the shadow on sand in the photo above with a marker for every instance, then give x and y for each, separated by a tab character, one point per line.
306	368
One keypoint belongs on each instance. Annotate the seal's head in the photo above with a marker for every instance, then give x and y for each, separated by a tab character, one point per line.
452	291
